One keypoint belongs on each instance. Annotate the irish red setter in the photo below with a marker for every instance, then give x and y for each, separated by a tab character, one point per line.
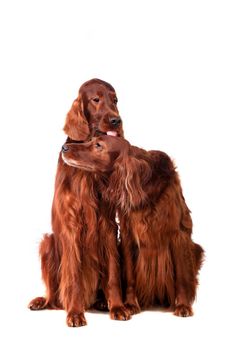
160	260
81	256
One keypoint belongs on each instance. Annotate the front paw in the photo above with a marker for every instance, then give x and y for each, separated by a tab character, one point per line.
76	320
37	304
133	307
183	311
119	313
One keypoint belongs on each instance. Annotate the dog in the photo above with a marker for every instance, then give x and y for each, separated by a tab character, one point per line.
160	260
81	257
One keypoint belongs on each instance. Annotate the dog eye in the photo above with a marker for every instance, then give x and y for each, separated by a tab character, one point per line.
115	100
96	99
98	146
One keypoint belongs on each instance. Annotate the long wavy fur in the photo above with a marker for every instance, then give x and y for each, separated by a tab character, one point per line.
80	257
160	260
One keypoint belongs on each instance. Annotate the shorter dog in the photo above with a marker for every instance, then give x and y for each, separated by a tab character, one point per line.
160	260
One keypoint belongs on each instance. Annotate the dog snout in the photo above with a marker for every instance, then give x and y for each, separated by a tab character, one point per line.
64	148
115	121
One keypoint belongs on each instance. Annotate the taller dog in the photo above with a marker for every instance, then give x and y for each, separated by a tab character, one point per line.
81	255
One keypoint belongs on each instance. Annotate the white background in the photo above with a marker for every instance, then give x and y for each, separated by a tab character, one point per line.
171	63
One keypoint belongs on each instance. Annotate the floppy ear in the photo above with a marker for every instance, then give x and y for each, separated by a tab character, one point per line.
128	181
76	125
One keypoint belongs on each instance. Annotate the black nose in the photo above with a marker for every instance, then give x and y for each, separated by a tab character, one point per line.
115	121
65	148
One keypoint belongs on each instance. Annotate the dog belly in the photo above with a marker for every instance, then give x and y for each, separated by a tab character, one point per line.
154	277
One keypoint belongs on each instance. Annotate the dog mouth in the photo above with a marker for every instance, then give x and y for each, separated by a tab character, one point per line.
109	132
76	164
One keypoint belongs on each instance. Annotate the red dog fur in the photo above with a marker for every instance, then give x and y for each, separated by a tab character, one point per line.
160	260
81	256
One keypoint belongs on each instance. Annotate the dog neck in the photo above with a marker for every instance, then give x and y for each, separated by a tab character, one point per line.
69	140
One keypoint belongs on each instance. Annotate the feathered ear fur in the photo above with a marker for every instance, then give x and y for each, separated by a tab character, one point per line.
76	125
128	181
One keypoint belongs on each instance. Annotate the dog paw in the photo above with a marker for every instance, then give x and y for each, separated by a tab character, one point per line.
76	320
133	308
183	311
119	313
37	304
